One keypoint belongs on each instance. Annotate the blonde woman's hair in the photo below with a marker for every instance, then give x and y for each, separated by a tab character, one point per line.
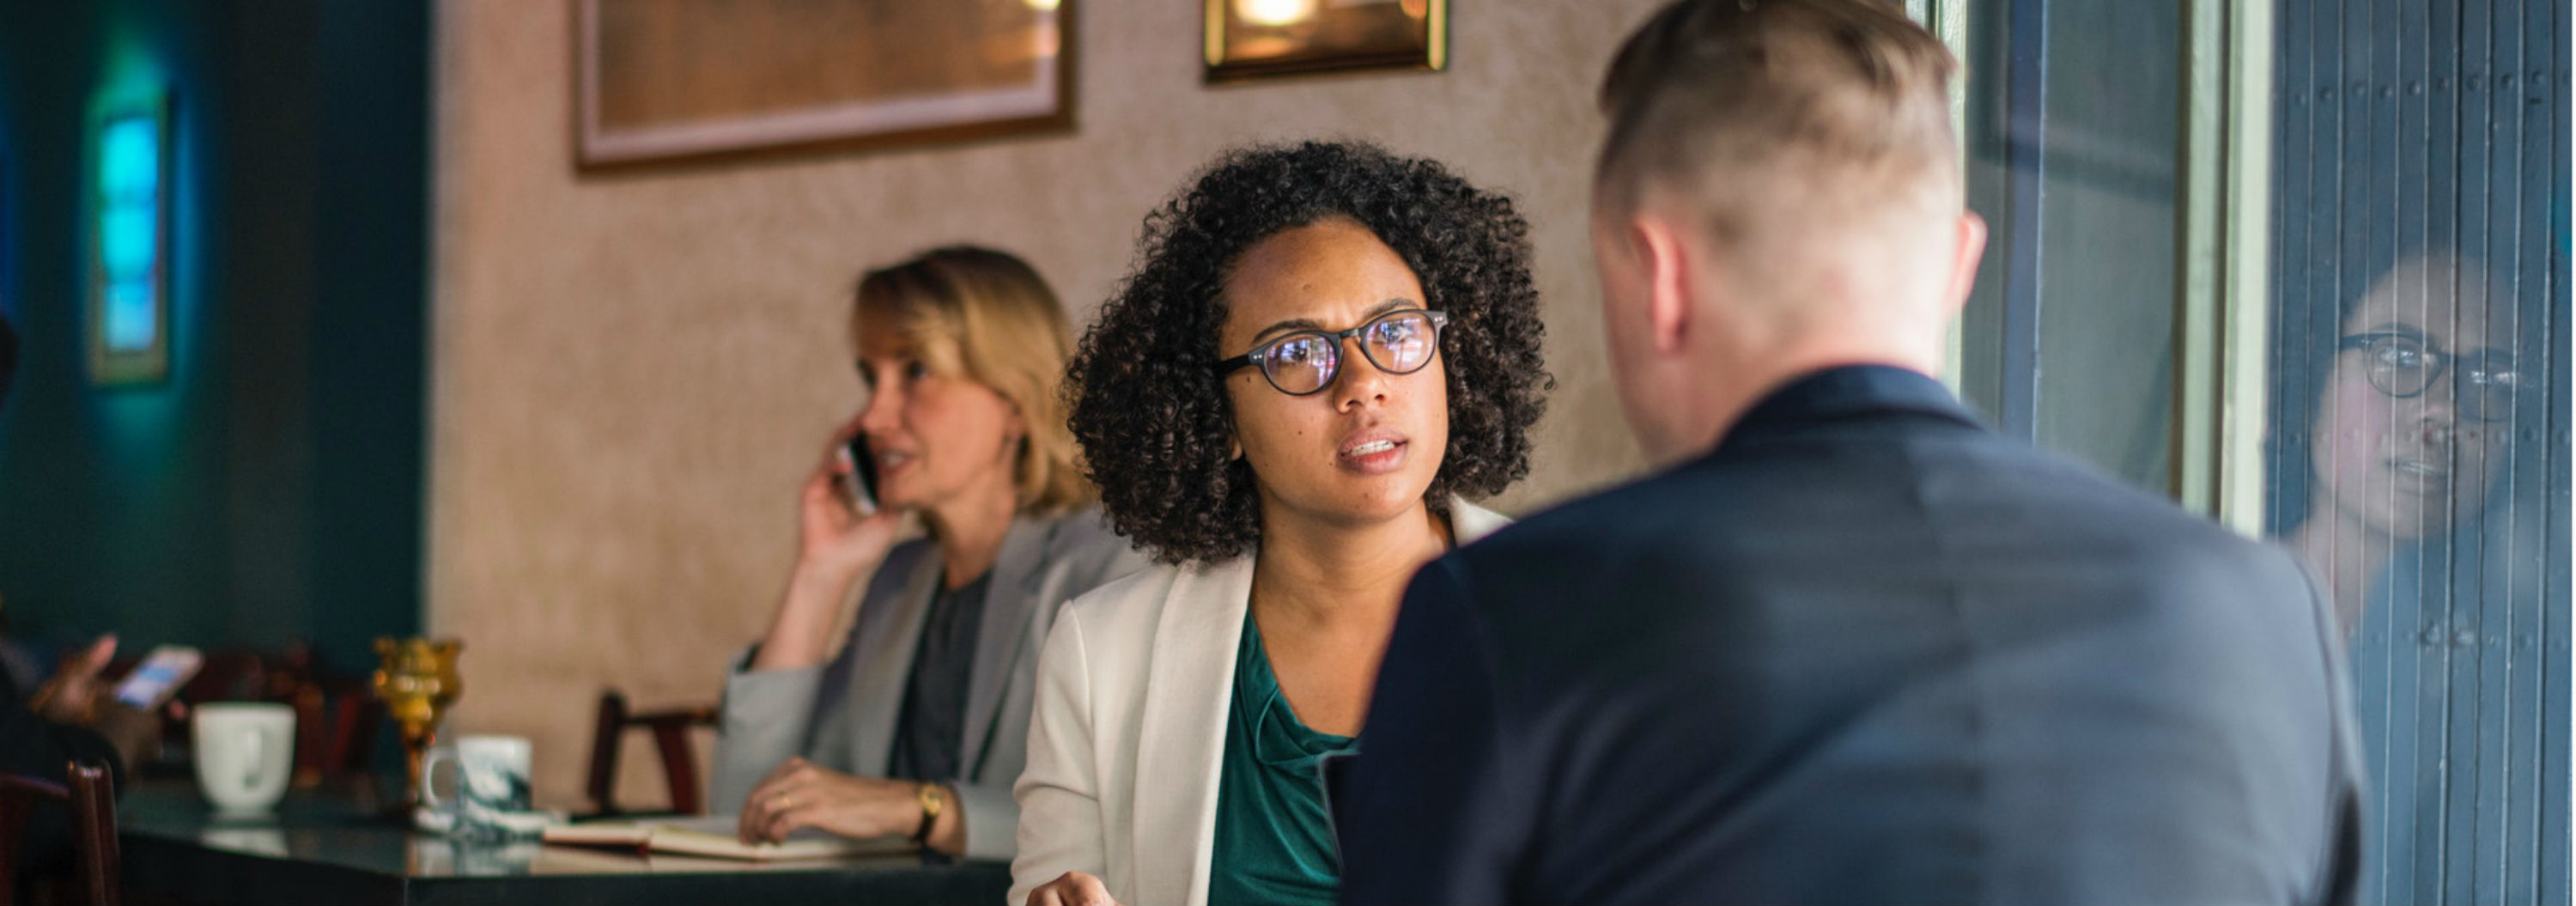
987	316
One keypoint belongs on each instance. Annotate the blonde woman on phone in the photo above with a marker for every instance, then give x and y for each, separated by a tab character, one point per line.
917	726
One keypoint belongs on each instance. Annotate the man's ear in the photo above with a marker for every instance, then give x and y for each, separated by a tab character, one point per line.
1667	268
1968	248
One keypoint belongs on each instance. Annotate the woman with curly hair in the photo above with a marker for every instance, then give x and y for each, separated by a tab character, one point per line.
1322	348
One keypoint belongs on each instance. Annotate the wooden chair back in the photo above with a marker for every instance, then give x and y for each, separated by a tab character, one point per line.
670	730
337	720
90	793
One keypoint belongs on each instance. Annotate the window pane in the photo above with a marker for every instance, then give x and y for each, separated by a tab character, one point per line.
2071	129
2106	317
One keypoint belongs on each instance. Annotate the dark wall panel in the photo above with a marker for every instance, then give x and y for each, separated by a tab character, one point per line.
270	490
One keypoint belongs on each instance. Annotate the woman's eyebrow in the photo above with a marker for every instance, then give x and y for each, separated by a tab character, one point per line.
1372	314
1394	304
2402	329
1287	325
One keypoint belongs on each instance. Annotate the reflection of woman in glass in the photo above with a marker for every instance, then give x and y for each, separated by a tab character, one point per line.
2409	424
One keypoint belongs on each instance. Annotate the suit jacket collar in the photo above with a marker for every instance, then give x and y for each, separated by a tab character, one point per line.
1845	392
885	668
1189	694
1019	577
1182	729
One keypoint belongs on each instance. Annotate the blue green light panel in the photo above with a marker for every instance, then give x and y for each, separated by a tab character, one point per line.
129	287
129	177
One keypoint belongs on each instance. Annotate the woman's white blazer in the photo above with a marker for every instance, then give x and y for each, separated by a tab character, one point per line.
1127	731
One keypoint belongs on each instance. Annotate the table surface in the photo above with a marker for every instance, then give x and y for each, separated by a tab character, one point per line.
317	849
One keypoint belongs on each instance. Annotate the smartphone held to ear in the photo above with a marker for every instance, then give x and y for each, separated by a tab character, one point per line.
861	482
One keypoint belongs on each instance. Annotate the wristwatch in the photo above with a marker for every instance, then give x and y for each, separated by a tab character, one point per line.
933	800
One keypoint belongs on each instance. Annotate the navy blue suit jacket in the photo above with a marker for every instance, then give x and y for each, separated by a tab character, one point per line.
1863	651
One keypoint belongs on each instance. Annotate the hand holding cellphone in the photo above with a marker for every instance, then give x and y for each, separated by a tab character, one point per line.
861	482
159	677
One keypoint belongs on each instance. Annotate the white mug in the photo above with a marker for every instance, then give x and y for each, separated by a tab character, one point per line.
245	754
489	781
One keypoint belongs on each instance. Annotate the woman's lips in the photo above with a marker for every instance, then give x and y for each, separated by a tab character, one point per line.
1373	453
2420	476
889	461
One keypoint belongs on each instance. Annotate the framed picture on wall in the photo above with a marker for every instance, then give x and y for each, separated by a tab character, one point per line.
1250	39
129	238
662	80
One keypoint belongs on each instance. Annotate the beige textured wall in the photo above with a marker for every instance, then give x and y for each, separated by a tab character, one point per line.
632	372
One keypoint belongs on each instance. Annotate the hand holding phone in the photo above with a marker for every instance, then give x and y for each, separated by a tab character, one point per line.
159	677
843	530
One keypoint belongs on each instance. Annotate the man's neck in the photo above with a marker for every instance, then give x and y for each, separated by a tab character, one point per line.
1746	377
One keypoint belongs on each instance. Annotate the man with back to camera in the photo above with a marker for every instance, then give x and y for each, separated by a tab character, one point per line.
1847	645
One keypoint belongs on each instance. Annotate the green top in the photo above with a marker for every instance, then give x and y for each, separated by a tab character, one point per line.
1274	840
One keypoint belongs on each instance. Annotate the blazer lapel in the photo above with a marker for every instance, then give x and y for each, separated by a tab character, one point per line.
885	671
1188	696
1469	523
1018	581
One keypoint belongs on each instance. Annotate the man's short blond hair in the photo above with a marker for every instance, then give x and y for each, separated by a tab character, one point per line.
1755	110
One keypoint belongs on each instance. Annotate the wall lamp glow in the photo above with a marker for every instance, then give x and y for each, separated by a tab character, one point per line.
129	232
1275	13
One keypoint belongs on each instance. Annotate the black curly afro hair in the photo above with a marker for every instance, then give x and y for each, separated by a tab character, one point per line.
1155	423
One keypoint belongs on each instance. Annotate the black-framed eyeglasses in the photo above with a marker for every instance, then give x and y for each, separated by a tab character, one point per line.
1305	362
2402	366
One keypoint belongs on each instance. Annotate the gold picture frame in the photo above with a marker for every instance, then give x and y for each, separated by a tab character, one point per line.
671	80
1254	39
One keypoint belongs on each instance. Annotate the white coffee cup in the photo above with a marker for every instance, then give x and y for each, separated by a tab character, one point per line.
245	754
485	779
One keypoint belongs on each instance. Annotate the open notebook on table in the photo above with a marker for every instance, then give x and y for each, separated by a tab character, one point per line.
713	836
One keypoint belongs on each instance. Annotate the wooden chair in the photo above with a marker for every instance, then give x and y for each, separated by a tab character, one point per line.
91	795
670	736
336	724
337	718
